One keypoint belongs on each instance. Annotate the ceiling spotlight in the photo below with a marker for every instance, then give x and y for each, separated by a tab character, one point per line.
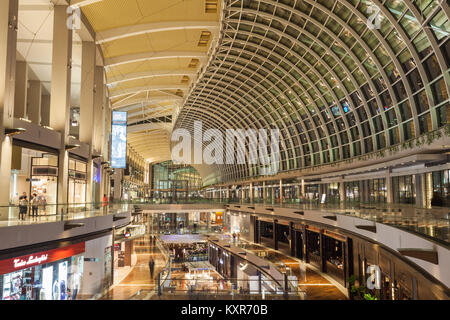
14	131
72	146
242	266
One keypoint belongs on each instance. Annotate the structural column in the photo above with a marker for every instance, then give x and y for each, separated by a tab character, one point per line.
20	94
106	125
389	191
34	98
420	189
87	107
303	188
292	243
281	191
8	47
275	235
264	192
45	110
342	190
251	192
99	114
60	92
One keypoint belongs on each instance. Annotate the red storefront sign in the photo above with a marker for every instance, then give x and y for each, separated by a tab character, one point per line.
35	259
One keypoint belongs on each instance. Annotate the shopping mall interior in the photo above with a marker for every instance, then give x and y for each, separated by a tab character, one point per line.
113	179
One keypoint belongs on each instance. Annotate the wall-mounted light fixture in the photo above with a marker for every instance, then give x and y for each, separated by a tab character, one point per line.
14	131
72	146
96	156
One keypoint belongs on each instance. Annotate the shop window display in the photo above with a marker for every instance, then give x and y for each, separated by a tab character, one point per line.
34	172
77	182
58	279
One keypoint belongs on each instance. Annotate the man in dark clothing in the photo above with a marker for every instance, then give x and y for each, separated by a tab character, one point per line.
34	205
23	206
151	265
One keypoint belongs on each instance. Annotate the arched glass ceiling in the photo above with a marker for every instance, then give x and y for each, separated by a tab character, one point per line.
334	87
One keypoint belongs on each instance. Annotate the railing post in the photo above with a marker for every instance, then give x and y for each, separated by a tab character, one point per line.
286	285
159	285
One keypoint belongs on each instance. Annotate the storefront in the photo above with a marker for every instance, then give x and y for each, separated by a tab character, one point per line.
377	191
438	188
403	189
332	192
265	232
222	260
352	193
334	255
283	237
77	181
312	191
35	172
239	224
49	275
313	250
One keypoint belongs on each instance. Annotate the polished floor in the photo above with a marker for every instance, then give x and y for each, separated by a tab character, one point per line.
139	277
139	285
316	286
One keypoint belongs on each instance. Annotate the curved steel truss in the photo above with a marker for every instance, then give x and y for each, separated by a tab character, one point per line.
338	78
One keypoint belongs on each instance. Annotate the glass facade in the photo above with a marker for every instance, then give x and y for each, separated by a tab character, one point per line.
77	181
174	181
403	189
335	87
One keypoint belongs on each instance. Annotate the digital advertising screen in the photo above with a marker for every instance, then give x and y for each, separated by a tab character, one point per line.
119	140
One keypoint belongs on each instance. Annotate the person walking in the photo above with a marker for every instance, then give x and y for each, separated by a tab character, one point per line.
105	203
151	265
23	206
34	205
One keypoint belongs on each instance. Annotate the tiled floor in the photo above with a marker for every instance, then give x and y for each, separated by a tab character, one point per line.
139	277
316	286
138	284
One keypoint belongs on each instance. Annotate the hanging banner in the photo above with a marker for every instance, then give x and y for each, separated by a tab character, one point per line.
119	140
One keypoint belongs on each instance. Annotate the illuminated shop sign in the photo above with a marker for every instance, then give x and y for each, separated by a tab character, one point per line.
35	259
119	140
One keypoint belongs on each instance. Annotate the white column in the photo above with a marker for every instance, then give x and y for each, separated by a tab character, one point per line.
341	190
87	92
34	98
264	192
87	108
281	191
99	109
251	192
389	191
45	110
8	47
60	92
420	189
20	94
